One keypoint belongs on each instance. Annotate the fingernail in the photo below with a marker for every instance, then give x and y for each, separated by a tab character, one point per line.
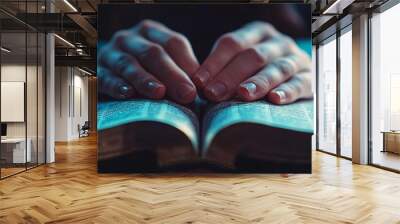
282	96
186	92
201	77
125	91
249	87
154	89
217	90
151	85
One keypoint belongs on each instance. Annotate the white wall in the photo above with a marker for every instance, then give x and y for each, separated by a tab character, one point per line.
61	103
71	102
80	112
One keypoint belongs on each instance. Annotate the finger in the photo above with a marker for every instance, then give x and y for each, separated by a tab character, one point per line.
228	46
157	62
128	68
224	85
175	44
272	75
298	87
114	86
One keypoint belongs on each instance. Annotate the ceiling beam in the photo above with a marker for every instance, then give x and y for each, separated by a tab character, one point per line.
79	61
337	7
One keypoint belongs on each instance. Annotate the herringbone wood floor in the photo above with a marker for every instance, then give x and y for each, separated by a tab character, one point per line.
71	191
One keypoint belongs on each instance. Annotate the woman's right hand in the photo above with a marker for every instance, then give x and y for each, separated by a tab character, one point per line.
148	60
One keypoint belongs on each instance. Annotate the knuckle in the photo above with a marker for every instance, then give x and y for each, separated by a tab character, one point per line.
268	28
299	79
255	56
262	24
287	40
305	80
145	24
290	91
231	42
286	66
120	37
180	37
304	60
258	23
289	43
274	76
177	41
297	85
154	51
265	80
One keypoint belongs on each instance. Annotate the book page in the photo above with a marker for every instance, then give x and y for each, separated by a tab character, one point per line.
296	117
116	113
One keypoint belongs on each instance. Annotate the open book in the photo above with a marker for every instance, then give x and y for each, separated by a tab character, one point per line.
155	136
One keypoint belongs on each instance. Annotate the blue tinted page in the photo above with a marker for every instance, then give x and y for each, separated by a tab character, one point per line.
116	113
296	117
305	45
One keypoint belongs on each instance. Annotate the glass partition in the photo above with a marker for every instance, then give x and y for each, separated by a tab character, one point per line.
41	97
32	100
31	97
327	96
22	66
14	153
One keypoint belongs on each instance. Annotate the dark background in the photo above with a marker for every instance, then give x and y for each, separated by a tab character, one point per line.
202	24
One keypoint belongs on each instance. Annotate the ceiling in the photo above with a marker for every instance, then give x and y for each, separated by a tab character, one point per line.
76	22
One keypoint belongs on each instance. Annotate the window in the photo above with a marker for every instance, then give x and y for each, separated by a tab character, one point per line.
385	88
327	96
346	93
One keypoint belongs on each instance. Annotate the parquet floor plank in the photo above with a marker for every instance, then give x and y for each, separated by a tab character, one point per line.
71	191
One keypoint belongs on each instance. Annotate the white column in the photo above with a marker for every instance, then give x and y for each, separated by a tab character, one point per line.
50	92
50	99
360	90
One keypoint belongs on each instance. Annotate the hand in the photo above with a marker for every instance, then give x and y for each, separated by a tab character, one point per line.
148	60
254	62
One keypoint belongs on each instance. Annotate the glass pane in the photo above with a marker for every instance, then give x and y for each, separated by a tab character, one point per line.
31	88
13	86
346	94
31	98
385	84
327	97
41	98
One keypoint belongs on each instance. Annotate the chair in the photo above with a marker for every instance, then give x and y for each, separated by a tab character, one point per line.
84	129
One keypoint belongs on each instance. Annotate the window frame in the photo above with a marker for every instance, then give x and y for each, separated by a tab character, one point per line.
334	37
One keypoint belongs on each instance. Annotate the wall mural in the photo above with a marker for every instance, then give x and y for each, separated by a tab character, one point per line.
205	88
